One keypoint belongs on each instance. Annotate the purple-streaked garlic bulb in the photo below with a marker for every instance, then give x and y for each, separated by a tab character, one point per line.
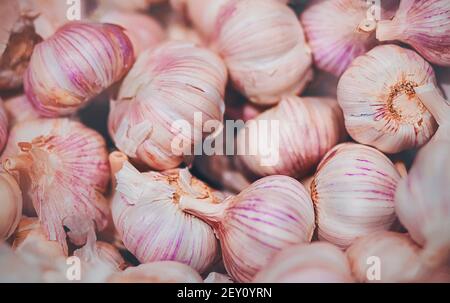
339	31
4	125
143	31
353	192
157	272
215	277
62	168
75	64
148	218
269	215
306	128
176	82
261	42
425	25
19	109
318	262
380	105
422	202
10	205
390	257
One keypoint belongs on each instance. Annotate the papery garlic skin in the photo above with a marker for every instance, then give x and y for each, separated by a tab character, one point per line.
353	193
129	5
172	83
215	277
63	171
261	42
318	262
308	128
74	65
146	213
4	125
381	109
271	214
143	31
157	272
422	202
425	25
19	109
10	205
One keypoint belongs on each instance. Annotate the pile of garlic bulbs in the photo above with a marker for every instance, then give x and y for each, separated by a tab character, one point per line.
221	141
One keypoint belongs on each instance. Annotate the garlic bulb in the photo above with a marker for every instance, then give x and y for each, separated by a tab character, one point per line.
129	5
143	31
63	170
175	82
261	42
157	272
3	126
215	277
269	215
422	202
353	191
19	109
318	262
147	216
86	59
376	94
388	257
425	25
307	128
10	205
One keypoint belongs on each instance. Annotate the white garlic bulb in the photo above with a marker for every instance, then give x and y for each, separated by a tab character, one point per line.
10	205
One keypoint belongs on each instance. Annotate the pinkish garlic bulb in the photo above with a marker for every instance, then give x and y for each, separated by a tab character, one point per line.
341	30
261	42
378	98
157	272
353	192
306	129
19	109
318	262
175	82
422	202
3	126
10	205
143	31
62	168
148	218
269	215
389	257
86	58
425	25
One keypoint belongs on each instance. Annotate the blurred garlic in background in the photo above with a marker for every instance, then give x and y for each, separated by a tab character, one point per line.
4	126
10	205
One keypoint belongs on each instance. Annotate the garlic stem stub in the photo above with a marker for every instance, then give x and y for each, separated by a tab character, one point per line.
76	64
318	262
10	205
425	25
62	168
422	202
378	98
269	215
307	128
353	193
175	82
148	218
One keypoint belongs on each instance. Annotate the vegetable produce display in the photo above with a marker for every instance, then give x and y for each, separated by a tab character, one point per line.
225	141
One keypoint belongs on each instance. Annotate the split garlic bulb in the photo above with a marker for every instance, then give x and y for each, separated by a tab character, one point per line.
3	126
157	272
381	109
86	58
389	257
308	128
339	31
63	171
318	262
422	202
177	81
10	205
269	215
353	191
261	42
19	109
148	218
143	31
425	25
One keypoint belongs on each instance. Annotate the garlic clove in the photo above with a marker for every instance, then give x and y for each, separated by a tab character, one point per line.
378	98
353	192
424	26
10	205
318	262
269	215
